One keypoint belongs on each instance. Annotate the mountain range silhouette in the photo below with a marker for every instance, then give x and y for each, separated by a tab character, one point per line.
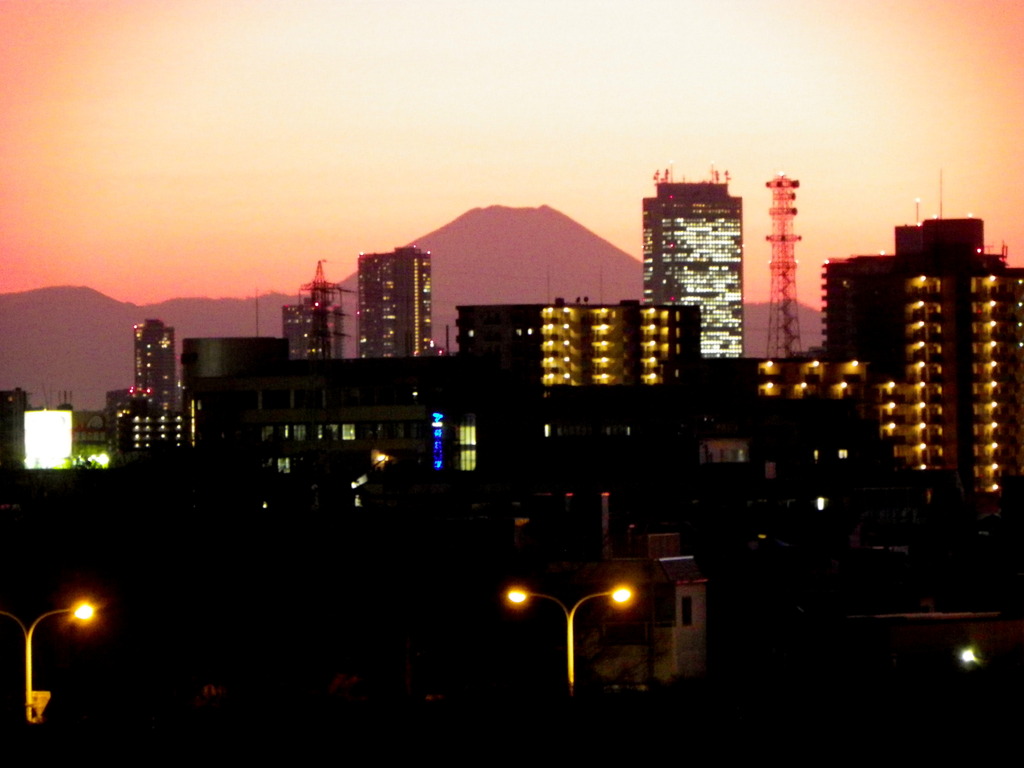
74	343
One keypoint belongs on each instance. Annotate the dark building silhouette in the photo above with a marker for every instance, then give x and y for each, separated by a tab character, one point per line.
13	404
394	303
941	321
693	254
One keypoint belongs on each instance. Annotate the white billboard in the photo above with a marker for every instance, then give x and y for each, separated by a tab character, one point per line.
47	439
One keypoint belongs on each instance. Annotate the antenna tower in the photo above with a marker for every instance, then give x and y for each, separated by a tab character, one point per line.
783	323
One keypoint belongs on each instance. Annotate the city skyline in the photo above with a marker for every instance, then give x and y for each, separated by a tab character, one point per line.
216	149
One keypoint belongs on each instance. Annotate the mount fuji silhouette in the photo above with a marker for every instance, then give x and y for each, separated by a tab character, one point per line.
493	255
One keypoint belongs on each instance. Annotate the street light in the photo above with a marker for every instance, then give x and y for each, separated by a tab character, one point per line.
619	595
35	701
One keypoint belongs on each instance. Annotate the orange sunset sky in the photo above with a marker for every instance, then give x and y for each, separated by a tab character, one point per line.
159	148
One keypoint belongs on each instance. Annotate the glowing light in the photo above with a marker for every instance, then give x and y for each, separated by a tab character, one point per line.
84	612
516	596
621	595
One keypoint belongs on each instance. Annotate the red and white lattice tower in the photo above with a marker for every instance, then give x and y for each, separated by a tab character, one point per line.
783	323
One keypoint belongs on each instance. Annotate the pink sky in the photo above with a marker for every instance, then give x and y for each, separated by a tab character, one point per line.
152	149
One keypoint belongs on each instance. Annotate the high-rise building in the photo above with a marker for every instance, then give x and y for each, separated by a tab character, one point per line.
315	326
313	333
944	322
693	254
155	368
394	303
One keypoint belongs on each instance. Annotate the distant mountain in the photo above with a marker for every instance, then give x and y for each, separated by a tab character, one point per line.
501	255
72	339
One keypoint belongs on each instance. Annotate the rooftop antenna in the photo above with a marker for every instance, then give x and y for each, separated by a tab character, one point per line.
917	211
940	193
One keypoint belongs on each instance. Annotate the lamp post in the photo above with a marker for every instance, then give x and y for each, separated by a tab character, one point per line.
619	595
83	611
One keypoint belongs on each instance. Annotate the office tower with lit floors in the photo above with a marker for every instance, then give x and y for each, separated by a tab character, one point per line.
944	321
693	255
394	303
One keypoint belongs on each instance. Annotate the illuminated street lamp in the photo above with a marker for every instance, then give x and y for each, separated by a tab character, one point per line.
619	595
969	657
35	701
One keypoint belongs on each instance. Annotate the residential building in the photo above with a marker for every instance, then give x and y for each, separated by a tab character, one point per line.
394	303
313	332
580	344
155	364
943	321
693	254
315	326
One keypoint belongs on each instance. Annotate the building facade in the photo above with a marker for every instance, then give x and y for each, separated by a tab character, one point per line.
693	255
313	332
581	344
155	364
394	303
947	329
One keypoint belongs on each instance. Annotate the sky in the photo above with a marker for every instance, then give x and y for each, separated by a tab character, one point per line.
153	149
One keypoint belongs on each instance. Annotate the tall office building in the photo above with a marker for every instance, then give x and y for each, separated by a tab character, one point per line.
693	254
944	321
155	369
394	303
